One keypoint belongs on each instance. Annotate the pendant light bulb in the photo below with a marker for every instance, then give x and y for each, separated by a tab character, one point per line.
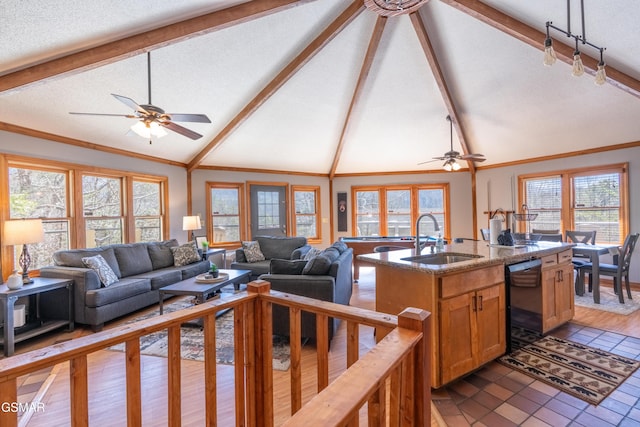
601	74
578	67
549	54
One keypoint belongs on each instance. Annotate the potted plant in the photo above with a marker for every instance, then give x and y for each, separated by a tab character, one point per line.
213	270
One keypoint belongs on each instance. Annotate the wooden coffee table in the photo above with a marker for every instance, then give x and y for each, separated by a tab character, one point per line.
202	291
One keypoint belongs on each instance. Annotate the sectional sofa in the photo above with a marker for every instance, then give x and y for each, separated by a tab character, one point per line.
140	270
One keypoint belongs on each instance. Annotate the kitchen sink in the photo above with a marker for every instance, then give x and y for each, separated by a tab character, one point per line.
441	258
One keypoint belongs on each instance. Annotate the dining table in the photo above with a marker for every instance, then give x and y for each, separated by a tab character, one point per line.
593	252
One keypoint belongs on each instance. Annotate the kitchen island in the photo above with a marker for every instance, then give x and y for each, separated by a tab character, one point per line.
463	286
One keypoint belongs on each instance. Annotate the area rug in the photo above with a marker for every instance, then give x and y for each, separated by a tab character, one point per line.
609	301
585	372
192	339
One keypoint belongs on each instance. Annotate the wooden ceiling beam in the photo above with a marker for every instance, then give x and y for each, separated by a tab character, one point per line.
362	79
344	19
134	45
425	42
535	38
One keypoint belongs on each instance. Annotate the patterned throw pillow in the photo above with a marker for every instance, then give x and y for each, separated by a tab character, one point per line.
252	251
185	254
103	270
313	252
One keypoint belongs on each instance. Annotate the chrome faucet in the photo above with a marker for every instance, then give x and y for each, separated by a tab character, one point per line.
435	223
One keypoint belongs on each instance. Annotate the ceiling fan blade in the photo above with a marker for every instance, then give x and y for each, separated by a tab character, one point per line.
474	157
129	116
130	103
428	161
181	130
194	118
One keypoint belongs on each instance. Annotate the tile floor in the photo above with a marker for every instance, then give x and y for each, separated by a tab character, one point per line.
497	396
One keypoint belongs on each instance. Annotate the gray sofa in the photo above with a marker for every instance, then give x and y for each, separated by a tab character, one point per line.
331	280
272	247
141	269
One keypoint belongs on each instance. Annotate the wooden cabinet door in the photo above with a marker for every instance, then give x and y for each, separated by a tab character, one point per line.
457	337
557	296
550	315
564	294
491	321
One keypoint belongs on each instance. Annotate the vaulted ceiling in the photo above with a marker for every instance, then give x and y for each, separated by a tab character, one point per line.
325	86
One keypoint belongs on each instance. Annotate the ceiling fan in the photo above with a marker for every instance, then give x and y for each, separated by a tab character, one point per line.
451	156
152	119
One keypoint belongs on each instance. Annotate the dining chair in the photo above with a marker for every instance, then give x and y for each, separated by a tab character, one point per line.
543	231
617	271
586	237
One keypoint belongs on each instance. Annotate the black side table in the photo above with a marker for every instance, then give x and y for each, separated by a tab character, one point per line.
8	299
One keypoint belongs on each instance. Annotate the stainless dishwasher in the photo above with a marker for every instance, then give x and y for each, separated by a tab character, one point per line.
524	297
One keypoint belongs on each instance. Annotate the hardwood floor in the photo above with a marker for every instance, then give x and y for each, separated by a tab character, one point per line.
106	380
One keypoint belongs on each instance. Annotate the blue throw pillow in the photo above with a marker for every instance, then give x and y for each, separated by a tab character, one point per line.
317	266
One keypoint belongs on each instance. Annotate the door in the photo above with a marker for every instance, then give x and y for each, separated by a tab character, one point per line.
268	210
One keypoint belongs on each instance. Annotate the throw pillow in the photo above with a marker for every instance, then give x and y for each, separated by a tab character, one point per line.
185	254
252	251
340	246
285	266
331	253
317	266
313	252
99	265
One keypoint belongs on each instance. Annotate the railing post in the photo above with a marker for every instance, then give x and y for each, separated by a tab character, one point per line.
262	334
419	320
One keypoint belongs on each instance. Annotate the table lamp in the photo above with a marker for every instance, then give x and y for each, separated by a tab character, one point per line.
23	231
190	223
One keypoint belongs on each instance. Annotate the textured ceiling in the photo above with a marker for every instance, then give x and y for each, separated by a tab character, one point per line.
275	106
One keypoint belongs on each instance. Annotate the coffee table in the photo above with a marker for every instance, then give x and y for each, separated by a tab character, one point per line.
202	291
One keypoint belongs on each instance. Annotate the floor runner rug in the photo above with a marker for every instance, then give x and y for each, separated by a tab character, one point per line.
192	339
582	371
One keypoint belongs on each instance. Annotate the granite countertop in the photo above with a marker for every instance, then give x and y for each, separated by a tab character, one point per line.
489	255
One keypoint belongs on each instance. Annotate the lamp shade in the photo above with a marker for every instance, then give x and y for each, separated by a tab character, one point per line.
147	130
191	223
23	231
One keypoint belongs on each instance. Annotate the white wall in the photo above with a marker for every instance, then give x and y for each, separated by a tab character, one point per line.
199	178
22	145
459	187
499	182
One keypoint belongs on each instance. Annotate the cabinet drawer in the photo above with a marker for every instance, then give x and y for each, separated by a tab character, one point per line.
549	261
565	256
457	284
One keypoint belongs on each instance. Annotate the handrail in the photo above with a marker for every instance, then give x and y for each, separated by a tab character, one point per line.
400	361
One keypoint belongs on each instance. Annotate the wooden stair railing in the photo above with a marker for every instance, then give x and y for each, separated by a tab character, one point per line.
399	363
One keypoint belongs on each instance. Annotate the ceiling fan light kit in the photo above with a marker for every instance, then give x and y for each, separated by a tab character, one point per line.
451	157
577	68
152	120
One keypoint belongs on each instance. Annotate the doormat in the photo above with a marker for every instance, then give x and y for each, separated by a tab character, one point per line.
585	372
192	339
609	301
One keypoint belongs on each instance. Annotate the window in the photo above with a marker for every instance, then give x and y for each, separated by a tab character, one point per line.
82	209
367	221
394	209
147	211
225	212
544	199
35	193
306	212
102	210
580	199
